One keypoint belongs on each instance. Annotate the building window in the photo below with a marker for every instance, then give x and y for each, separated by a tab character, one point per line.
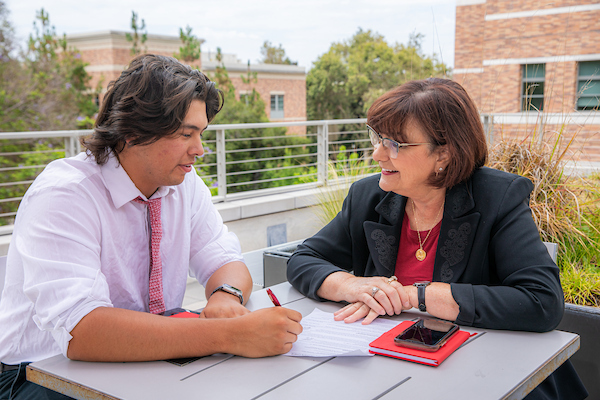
276	106
588	86
532	97
245	96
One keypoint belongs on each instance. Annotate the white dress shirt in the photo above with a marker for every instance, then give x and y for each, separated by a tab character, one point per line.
80	242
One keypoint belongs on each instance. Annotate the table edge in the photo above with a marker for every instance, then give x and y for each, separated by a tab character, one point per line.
54	382
538	376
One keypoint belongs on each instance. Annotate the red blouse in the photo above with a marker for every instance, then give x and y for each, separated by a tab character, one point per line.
408	269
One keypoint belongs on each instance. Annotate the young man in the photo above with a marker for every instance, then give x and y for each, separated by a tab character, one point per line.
104	241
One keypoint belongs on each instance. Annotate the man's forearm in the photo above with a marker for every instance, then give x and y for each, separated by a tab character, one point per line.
114	334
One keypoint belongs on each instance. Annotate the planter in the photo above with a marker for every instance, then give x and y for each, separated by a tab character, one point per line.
585	321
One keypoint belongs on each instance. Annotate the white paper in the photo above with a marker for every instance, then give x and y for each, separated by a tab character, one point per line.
324	337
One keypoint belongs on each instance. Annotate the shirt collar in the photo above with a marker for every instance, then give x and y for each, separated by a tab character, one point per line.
120	186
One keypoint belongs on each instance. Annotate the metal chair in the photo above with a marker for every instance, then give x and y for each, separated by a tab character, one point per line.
552	249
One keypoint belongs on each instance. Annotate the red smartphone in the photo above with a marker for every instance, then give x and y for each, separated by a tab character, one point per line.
426	334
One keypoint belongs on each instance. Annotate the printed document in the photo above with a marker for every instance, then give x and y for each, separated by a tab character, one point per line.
322	336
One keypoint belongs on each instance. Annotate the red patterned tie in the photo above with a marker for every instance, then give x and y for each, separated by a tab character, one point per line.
157	302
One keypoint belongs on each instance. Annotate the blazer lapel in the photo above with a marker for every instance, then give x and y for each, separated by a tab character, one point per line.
383	236
456	235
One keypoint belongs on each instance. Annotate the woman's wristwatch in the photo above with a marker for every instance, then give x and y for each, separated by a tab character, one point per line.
421	294
231	290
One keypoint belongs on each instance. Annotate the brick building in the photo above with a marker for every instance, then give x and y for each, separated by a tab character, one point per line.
535	66
281	87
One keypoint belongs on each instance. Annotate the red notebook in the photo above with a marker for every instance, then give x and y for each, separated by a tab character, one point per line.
385	346
185	314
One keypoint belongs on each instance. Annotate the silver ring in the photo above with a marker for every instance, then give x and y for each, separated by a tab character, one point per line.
392	279
374	291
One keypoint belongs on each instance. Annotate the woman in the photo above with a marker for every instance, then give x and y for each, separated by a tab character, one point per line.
436	230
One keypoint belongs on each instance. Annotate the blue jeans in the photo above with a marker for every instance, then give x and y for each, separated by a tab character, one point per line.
14	386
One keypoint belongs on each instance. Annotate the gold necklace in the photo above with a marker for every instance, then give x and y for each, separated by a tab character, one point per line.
420	254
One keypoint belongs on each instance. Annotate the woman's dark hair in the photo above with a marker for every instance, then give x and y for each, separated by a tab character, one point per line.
446	114
147	102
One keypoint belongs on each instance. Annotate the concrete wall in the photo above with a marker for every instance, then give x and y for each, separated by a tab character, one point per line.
299	223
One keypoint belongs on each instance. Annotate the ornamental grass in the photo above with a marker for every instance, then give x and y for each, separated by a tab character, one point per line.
565	208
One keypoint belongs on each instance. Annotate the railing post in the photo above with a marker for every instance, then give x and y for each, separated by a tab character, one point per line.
221	167
322	153
77	144
72	146
488	128
68	144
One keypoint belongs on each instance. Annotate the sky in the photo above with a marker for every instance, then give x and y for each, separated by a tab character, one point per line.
305	29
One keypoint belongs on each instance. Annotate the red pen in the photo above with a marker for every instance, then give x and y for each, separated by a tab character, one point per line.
273	298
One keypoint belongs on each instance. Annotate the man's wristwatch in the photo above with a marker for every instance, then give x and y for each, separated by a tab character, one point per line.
231	290
421	294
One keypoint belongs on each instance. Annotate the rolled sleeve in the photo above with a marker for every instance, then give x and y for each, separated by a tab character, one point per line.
60	318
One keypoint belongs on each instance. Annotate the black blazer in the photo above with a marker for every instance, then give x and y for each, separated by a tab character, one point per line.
489	250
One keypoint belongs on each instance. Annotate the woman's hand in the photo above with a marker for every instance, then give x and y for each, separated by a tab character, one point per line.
355	311
369	296
438	299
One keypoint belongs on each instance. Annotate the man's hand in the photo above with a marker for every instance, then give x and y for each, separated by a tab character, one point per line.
265	332
223	305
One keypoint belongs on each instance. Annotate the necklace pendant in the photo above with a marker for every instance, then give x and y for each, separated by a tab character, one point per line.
420	254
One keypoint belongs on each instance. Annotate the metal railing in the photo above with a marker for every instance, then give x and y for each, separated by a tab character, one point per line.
245	160
240	160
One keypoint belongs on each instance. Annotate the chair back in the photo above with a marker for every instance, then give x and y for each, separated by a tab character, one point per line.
552	249
2	272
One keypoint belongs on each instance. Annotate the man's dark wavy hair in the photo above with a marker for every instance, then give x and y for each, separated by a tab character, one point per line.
147	102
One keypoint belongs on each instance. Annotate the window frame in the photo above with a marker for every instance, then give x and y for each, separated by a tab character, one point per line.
526	99
277	106
587	78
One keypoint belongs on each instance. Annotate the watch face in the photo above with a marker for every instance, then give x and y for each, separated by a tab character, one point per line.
232	289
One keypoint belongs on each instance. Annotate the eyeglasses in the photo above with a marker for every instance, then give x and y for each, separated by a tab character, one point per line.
389	144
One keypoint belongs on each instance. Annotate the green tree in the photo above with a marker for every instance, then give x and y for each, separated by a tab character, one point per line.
346	80
252	154
7	34
138	37
46	87
190	49
274	55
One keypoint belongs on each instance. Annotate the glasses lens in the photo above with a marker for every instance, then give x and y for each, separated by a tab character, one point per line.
373	136
393	146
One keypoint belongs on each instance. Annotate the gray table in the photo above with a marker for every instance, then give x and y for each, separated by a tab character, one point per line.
495	365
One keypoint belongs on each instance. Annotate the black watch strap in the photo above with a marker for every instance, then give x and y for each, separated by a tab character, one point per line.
421	294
